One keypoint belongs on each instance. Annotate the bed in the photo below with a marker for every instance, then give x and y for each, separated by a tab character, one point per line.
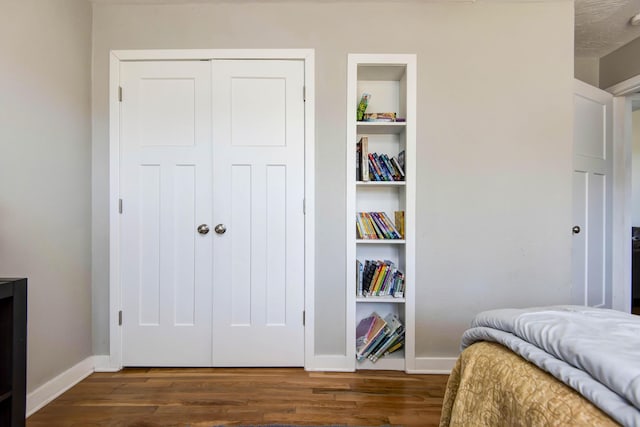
548	366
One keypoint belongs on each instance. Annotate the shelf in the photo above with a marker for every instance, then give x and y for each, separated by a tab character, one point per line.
381	299
381	183
390	79
392	362
381	127
381	241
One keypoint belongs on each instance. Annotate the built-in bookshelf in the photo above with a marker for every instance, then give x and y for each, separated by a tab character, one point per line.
381	209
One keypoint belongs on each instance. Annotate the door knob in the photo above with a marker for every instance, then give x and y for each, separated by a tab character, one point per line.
203	229
575	229
220	229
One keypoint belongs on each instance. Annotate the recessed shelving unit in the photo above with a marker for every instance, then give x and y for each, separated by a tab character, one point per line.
390	79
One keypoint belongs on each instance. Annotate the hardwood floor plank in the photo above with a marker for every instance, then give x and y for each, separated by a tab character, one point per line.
151	397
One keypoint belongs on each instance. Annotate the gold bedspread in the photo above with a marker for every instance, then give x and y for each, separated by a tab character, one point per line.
492	386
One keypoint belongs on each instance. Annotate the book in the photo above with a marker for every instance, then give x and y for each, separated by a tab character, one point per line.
378	232
379	117
391	339
359	272
377	219
366	227
376	168
400	169
395	176
399	220
363	148
393	231
401	160
395	347
382	167
375	332
363	329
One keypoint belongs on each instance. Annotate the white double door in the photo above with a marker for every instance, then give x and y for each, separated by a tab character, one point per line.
217	145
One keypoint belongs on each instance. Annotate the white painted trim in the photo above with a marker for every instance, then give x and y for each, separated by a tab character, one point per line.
626	87
410	207
103	364
308	56
621	251
310	207
351	252
332	363
410	61
115	333
58	385
206	54
433	365
621	211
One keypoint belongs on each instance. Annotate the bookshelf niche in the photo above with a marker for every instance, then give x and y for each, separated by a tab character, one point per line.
381	146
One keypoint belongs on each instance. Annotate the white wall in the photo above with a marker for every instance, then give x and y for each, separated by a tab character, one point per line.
45	175
587	70
635	170
494	142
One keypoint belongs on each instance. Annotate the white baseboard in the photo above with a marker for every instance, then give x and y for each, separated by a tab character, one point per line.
434	365
423	365
58	385
336	363
103	364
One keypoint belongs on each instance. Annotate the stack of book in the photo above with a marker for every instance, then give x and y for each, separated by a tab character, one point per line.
377	337
377	225
379	278
377	167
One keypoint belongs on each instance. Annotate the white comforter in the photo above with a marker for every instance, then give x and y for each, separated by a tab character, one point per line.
594	351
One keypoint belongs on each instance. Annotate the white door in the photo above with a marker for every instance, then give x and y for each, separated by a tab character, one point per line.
231	153
258	163
165	188
592	196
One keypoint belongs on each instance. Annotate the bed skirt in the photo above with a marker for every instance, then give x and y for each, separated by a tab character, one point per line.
492	386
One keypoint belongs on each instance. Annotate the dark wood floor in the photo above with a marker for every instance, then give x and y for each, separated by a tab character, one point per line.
211	397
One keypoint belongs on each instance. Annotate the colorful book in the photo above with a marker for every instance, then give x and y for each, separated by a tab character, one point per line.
363	329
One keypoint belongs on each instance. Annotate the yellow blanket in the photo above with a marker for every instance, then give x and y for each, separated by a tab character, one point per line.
492	386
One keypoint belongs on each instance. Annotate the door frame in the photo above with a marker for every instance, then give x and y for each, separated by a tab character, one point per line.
621	247
119	56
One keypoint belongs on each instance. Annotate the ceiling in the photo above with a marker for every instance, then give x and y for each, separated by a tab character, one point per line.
602	26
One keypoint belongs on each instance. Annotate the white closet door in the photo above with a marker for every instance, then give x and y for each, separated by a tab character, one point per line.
258	163
166	192
592	196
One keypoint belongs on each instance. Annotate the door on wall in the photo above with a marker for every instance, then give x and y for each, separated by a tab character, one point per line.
592	196
258	167
212	225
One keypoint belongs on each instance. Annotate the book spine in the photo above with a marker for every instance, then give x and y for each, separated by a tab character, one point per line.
395	162
376	169
381	225
364	162
387	164
383	168
392	229
378	233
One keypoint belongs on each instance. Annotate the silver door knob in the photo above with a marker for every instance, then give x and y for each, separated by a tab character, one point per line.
575	229
203	229
220	229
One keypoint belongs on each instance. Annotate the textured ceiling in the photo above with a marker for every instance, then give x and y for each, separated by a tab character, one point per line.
602	26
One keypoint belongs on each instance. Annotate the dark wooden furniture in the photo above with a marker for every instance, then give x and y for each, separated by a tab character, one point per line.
13	352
